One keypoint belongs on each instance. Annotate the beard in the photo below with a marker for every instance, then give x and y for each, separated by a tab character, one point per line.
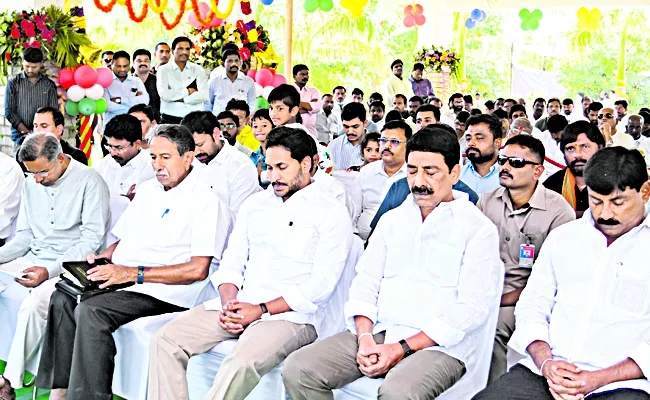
376	118
478	158
577	170
294	185
457	109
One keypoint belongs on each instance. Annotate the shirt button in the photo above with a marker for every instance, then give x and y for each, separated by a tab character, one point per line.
52	222
507	238
52	194
52	208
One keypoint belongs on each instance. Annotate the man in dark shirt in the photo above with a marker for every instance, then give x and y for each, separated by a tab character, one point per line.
27	92
142	67
580	141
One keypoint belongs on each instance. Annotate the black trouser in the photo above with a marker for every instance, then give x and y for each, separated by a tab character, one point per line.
79	349
523	384
170	119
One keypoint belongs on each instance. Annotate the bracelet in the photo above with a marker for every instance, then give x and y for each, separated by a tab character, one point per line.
140	274
541	369
362	335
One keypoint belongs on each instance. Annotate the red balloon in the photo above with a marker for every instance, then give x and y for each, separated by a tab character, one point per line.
66	78
245	53
264	77
251	74
104	77
85	76
278	80
241	26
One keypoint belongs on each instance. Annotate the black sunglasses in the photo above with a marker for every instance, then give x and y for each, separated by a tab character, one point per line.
108	60
515	162
608	116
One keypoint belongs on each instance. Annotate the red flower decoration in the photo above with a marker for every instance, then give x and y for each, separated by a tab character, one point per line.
260	46
8	56
413	16
246	7
36	44
14	25
30	33
15	33
26	25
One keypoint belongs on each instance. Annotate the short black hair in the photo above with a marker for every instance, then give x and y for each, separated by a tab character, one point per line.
475	111
107	52
644	109
615	168
33	55
454	97
429	108
553	99
468	99
533	145
489	105
595	106
121	54
462	116
57	115
142	108
517	107
572	131
298	142
393	115
646	117
263	113
228	114
418	67
401	96
229	52
177	134
621	103
396	62
501	99
513	101
160	44
376	96
124	127
202	122
500	113
567	102
434	139
287	94
326	95
352	111
339	87
417	98
181	39
299	67
493	123
358	92
408	132
539	99
236	104
379	104
556	123
369	137
229	46
141	52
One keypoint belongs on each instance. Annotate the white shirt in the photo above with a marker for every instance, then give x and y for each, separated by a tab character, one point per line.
370	188
172	86
163	228
336	189
288	249
120	178
231	176
441	276
327	126
127	92
11	186
222	90
588	301
644	146
552	151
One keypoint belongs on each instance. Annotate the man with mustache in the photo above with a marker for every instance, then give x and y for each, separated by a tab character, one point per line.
580	141
229	172
538	108
310	101
524	212
64	215
327	122
583	318
284	259
142	66
483	138
396	83
592	112
427	114
126	90
230	84
51	120
346	149
377	110
455	105
162	53
552	108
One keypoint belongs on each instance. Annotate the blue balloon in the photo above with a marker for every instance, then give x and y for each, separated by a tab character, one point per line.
470	23
476	14
483	16
266	2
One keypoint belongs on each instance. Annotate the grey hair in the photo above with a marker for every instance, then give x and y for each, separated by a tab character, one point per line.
177	134
39	145
640	117
524	124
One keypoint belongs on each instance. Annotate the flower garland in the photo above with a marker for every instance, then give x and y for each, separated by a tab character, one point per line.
436	60
177	20
197	13
132	16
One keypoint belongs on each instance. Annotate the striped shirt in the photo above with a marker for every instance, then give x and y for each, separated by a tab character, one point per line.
23	98
344	153
422	87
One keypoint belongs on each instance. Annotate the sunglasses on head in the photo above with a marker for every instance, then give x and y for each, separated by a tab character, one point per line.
515	162
608	116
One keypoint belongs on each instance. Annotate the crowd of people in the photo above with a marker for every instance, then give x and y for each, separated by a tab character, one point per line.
453	203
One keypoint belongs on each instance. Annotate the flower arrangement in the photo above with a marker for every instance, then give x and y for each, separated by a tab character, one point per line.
437	60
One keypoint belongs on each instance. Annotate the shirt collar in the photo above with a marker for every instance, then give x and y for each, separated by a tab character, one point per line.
589	220
187	185
537	200
23	75
493	169
224	154
68	171
381	171
224	75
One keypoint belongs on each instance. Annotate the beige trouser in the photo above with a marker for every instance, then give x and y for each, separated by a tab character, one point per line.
312	372
505	328
30	328
259	349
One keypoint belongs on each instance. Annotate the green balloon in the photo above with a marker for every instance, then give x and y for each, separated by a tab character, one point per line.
311	5
87	106
71	108
326	5
261	103
100	106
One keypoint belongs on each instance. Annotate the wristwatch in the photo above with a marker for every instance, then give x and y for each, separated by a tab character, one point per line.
406	348
140	274
265	311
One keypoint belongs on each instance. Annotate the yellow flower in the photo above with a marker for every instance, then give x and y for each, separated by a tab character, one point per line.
444	54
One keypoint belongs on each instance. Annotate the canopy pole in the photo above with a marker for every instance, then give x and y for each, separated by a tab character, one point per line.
288	41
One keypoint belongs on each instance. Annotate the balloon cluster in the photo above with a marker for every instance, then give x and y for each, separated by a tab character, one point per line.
265	80
530	20
85	86
475	17
414	16
204	10
313	5
588	20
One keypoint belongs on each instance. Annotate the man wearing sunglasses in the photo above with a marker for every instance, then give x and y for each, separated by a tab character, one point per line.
64	215
107	59
525	212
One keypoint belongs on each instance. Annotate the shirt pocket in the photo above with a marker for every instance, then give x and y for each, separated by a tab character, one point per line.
440	263
630	291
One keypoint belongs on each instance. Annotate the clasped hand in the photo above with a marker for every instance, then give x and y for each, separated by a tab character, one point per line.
376	360
238	315
568	382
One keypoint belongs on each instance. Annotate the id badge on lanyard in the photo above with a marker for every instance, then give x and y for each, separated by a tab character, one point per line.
526	253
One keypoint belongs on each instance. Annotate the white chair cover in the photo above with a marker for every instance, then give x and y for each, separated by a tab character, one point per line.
118	205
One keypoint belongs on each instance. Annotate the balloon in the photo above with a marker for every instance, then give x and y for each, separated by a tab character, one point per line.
71	108
251	74
87	106
261	103
100	106
85	76
483	16
278	80
264	77
267	90
326	5
216	22
266	2
192	20
244	53
66	78
475	15
259	90
76	93
470	23
95	92
311	5
104	77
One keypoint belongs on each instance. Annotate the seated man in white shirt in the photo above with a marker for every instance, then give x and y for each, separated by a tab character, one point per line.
11	186
169	235
64	214
230	174
128	165
375	179
145	115
284	259
424	286
583	318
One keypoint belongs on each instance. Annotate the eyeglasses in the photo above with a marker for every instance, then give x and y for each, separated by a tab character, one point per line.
393	142
118	149
108	60
515	162
41	174
227	126
608	116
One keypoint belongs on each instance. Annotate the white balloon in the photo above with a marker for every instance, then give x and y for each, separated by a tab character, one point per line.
76	93
95	92
259	90
267	91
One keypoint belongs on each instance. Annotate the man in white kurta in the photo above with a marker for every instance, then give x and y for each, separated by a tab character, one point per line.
11	186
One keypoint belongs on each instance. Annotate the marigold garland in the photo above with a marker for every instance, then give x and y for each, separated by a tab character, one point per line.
177	20
197	13
218	13
132	16
157	8
105	8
